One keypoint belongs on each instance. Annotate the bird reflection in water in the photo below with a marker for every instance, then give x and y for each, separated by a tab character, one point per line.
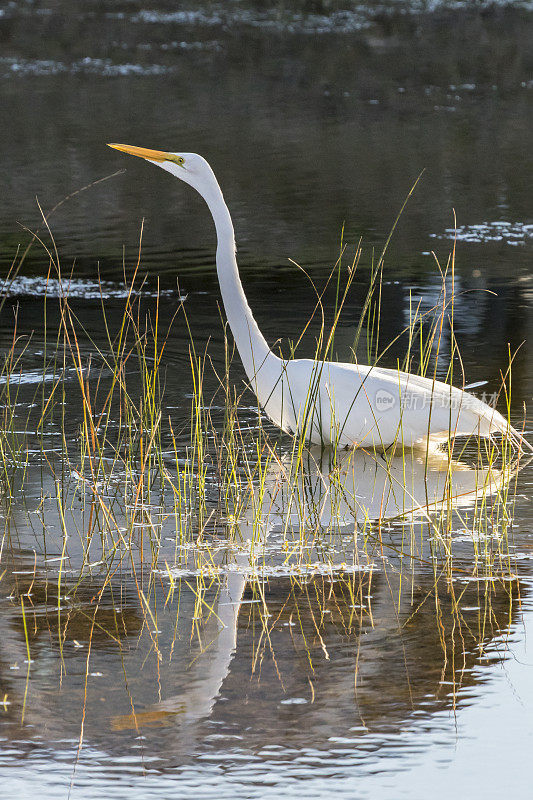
365	614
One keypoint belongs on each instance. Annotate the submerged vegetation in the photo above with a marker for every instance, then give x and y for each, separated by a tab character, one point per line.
197	512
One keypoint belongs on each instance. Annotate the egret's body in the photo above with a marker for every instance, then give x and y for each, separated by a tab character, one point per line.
350	405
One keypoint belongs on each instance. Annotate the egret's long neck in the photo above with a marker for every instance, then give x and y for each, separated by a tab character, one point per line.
251	344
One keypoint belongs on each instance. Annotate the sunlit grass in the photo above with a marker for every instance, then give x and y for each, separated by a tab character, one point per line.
132	496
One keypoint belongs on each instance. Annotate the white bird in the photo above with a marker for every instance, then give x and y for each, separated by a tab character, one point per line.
328	403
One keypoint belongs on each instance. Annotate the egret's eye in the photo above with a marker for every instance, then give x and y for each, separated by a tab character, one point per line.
179	160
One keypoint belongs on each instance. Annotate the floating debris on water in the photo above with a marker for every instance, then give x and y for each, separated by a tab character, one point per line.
252	573
78	288
91	66
513	233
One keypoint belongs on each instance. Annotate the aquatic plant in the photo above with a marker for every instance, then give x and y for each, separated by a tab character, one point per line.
212	504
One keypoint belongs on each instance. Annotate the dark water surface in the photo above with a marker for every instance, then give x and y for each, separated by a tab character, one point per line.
314	117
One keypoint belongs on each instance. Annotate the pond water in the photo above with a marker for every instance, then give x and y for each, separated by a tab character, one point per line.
318	119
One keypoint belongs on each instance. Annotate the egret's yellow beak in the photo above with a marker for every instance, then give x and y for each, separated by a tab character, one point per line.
143	152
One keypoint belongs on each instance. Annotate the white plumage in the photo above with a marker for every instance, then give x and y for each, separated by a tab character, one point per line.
356	405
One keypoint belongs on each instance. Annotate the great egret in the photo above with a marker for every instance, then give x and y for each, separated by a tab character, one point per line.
350	405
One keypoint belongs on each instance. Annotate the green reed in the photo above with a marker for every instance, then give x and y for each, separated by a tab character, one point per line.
144	497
